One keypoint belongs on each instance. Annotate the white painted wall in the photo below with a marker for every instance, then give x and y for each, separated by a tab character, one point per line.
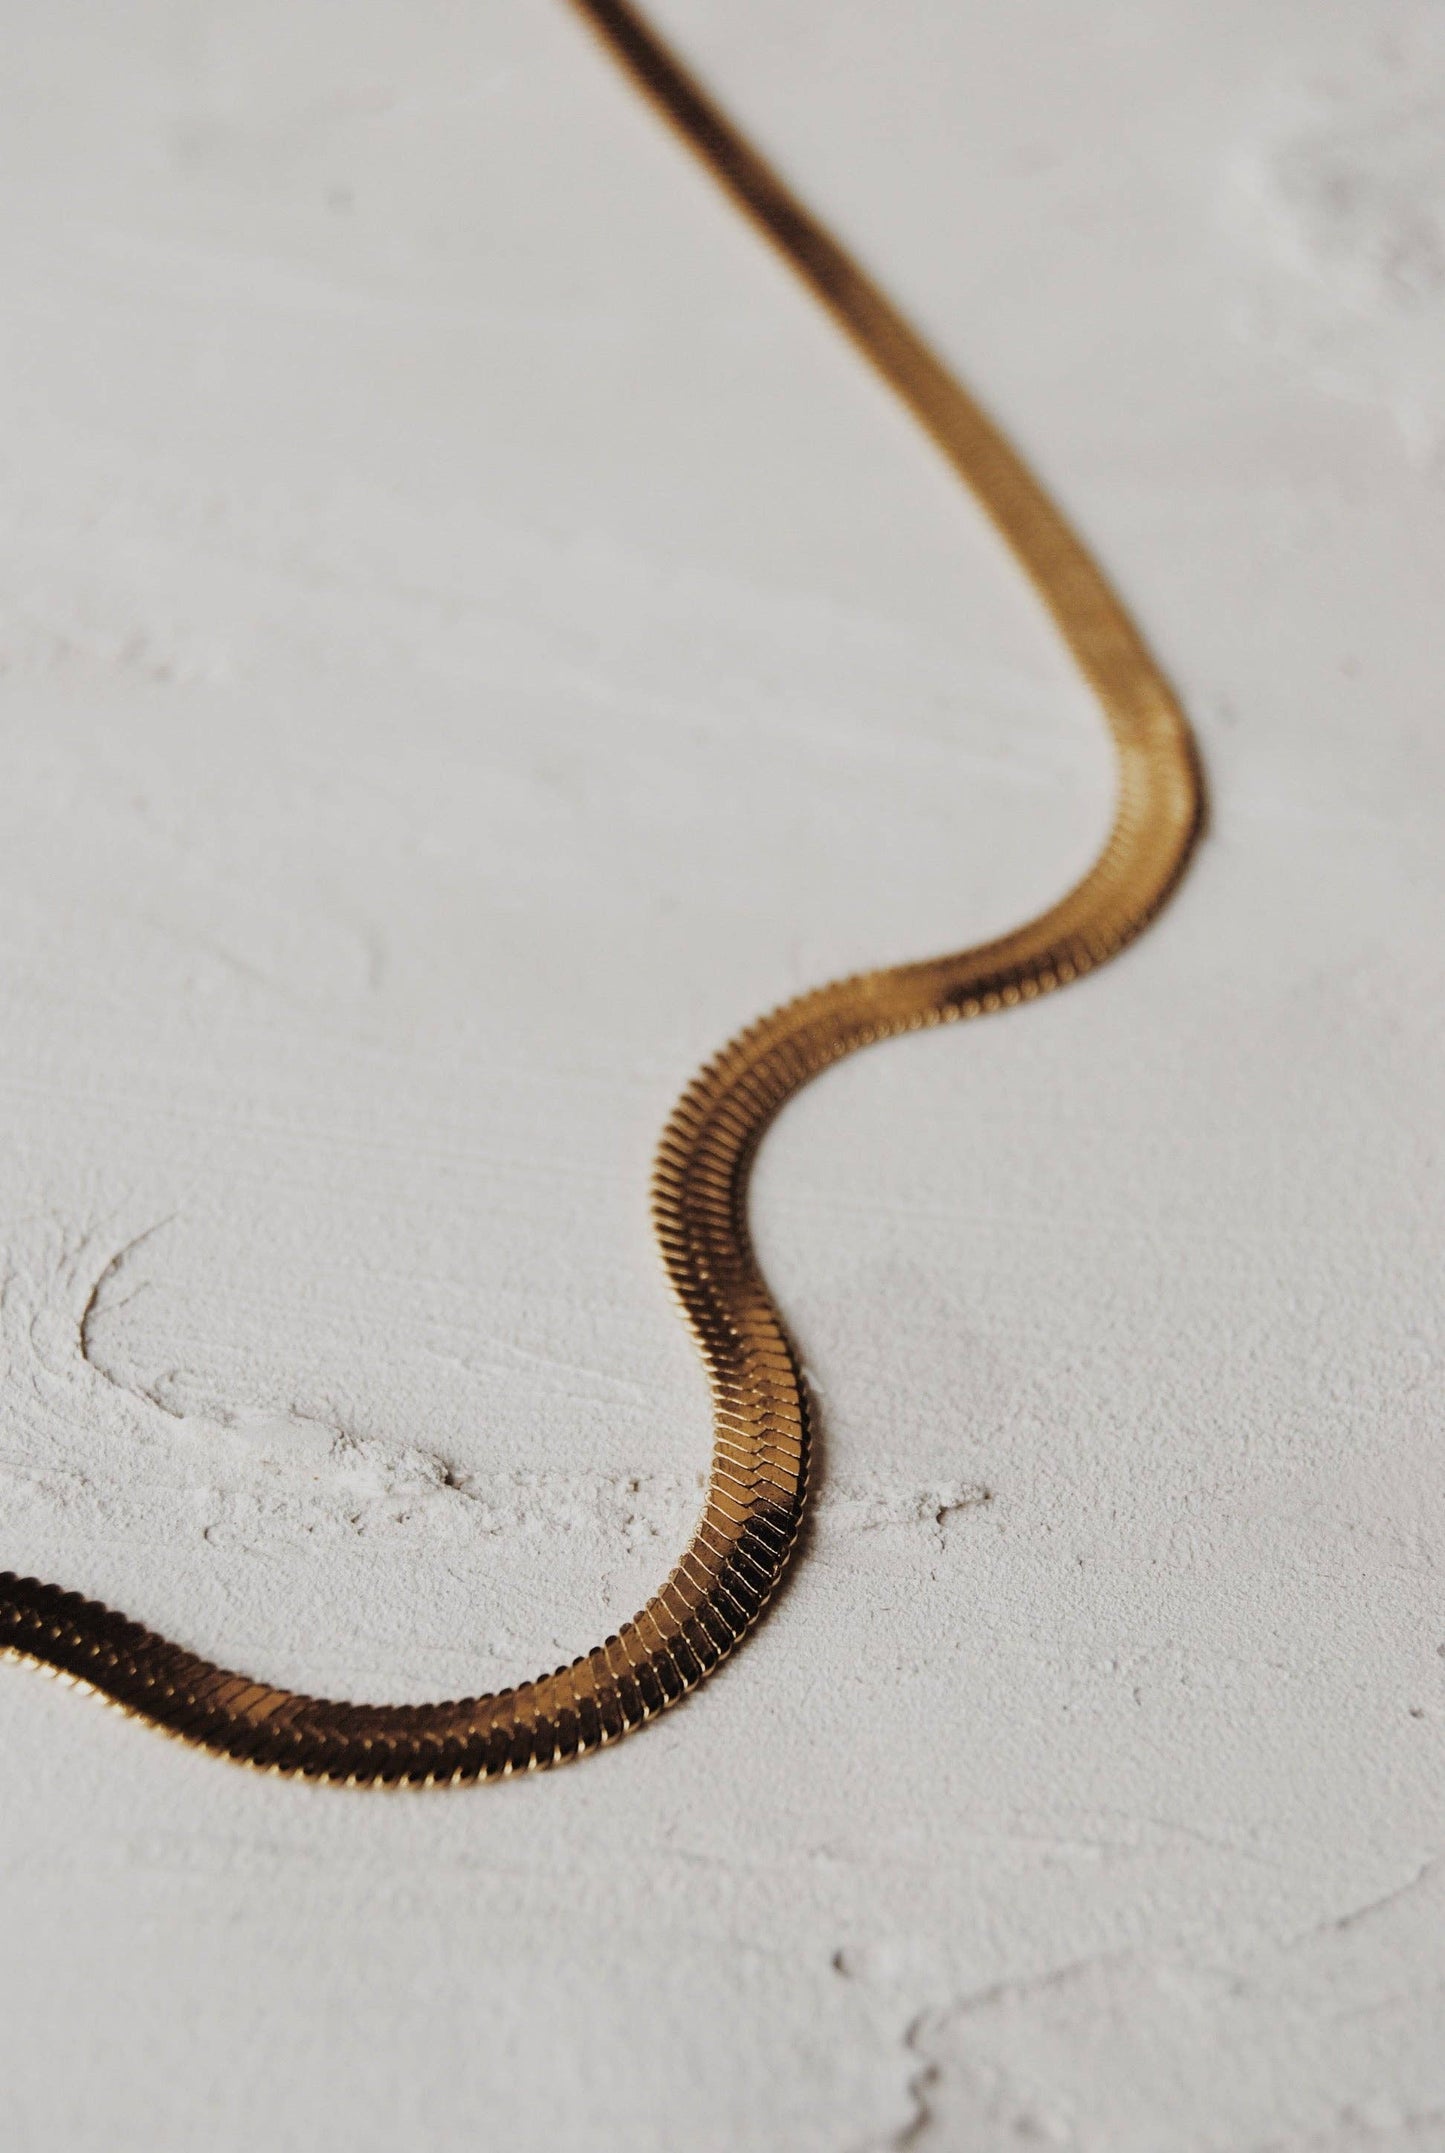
469	639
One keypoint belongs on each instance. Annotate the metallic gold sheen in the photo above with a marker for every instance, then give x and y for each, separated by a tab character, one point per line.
757	1487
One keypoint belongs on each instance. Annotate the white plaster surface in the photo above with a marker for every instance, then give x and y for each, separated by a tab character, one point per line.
469	639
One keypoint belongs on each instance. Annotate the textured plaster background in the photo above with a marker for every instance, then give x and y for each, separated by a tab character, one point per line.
469	639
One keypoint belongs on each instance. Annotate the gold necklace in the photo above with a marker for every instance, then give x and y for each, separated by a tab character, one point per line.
757	1486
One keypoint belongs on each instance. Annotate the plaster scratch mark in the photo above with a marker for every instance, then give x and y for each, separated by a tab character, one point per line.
97	1303
984	2108
1358	2130
921	2072
510	1357
1355	1917
1216	1842
1049	1982
922	2079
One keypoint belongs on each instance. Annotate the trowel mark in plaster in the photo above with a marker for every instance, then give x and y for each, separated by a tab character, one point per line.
935	2101
277	1474
227	915
56	1297
504	1356
101	1299
1014	2062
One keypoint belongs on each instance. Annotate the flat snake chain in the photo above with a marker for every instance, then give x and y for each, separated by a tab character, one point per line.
757	1486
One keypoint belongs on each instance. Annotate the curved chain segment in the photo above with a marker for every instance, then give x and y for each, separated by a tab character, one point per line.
758	1482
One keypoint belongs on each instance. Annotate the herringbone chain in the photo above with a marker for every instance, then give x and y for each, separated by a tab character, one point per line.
757	1487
